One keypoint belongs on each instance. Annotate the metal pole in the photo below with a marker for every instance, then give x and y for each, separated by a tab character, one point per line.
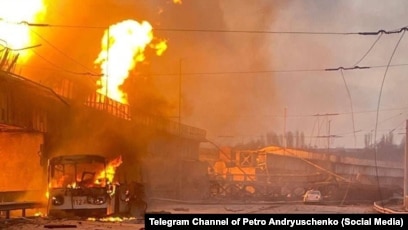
328	139
284	128
107	70
180	148
406	168
179	94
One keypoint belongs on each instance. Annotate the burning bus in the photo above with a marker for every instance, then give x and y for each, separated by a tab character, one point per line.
83	185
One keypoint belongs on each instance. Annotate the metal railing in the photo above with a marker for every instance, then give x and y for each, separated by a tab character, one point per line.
123	111
117	109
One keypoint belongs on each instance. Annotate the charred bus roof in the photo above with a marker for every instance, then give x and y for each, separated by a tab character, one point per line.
75	159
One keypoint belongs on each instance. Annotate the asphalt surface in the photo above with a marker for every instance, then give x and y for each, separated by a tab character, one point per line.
186	208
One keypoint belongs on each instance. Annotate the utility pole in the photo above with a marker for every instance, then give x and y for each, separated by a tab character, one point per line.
180	144
105	100
328	136
284	129
179	97
406	168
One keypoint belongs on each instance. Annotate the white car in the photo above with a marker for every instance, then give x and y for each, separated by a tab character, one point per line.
312	196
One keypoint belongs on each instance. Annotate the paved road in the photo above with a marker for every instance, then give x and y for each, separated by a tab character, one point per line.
264	208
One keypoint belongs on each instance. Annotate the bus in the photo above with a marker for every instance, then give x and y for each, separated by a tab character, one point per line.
81	185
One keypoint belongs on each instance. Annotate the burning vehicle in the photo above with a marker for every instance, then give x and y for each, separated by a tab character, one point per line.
83	185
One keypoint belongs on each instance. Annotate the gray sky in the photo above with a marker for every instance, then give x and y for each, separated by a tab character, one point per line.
243	104
248	105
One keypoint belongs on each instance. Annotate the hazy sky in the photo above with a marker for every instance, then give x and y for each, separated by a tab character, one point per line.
230	86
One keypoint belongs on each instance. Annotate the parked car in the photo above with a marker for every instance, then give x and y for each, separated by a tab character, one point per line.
312	196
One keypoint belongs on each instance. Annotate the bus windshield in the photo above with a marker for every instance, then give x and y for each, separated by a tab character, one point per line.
77	172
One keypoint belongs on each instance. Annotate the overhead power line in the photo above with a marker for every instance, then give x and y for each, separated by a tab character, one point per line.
383	81
278	71
61	68
351	106
378	108
368	51
325	115
380	31
66	55
329	114
327	136
23	48
346	86
255	31
347	68
397	31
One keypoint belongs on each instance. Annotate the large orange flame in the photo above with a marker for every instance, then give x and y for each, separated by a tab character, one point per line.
123	45
14	30
109	172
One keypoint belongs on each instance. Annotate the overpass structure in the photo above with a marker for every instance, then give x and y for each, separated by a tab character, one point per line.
39	121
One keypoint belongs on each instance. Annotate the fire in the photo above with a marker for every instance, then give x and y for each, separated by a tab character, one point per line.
109	172
39	214
160	47
14	31
72	185
177	1
123	46
111	219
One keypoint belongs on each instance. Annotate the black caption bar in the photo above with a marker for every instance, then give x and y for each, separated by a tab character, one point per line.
275	221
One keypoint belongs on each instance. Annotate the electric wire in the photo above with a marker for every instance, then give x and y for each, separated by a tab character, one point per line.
351	106
397	126
59	67
378	32
320	127
355	66
368	51
3	42
64	54
256	31
338	113
378	107
380	122
347	88
314	126
390	118
339	135
201	74
382	31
